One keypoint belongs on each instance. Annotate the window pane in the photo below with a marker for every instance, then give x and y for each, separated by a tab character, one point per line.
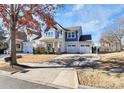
73	34
73	45
87	45
69	34
51	34
18	45
48	33
82	45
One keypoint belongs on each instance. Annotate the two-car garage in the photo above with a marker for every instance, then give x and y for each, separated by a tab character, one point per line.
85	49
78	48
81	45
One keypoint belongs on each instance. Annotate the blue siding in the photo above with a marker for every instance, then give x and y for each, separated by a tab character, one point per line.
71	39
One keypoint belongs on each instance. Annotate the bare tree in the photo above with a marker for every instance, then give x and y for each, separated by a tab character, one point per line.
107	42
113	35
120	32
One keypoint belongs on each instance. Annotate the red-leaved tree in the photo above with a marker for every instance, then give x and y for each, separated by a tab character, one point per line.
17	16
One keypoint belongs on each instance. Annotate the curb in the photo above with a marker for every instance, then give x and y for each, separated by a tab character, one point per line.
4	72
88	87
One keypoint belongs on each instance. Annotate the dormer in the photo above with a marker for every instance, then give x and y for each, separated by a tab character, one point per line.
73	34
52	33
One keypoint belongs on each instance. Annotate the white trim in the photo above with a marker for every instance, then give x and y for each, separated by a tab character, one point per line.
53	45
71	35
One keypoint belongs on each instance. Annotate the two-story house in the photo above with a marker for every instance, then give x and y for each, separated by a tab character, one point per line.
72	41
20	38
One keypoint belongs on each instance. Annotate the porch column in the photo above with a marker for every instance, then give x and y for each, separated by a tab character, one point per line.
53	48
58	47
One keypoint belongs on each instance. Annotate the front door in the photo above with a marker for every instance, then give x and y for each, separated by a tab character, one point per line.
50	47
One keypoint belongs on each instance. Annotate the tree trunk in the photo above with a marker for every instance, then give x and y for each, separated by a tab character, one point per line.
13	48
13	36
120	45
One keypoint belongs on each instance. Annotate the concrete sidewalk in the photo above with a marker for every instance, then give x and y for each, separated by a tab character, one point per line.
59	77
50	73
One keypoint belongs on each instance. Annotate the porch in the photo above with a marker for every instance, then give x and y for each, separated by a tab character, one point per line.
53	46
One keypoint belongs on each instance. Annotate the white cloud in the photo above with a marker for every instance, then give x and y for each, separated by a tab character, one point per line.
91	26
78	7
75	9
67	14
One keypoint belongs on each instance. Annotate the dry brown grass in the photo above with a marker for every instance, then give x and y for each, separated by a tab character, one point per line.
101	79
36	58
111	60
119	56
7	67
30	58
2	64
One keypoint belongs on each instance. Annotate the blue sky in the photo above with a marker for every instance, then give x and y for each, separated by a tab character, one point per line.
92	18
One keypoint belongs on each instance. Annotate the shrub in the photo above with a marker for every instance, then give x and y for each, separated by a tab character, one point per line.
39	50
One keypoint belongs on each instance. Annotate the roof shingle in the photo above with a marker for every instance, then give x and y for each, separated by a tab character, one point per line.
85	37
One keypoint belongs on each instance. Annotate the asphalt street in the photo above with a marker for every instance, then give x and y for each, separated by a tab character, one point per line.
12	83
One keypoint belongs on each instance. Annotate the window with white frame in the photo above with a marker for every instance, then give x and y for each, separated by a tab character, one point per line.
71	35
49	34
18	46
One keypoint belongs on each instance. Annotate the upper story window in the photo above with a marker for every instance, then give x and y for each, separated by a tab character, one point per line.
49	34
71	35
58	33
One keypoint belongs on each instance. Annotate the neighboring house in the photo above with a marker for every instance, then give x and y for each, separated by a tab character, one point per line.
20	38
27	47
22	43
72	41
3	44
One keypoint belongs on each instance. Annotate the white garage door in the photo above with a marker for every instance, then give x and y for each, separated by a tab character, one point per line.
85	48
71	48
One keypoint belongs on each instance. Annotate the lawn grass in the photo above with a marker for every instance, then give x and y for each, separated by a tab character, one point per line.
100	79
30	58
102	76
118	56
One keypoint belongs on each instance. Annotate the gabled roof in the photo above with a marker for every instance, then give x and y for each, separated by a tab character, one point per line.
85	37
75	28
21	35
